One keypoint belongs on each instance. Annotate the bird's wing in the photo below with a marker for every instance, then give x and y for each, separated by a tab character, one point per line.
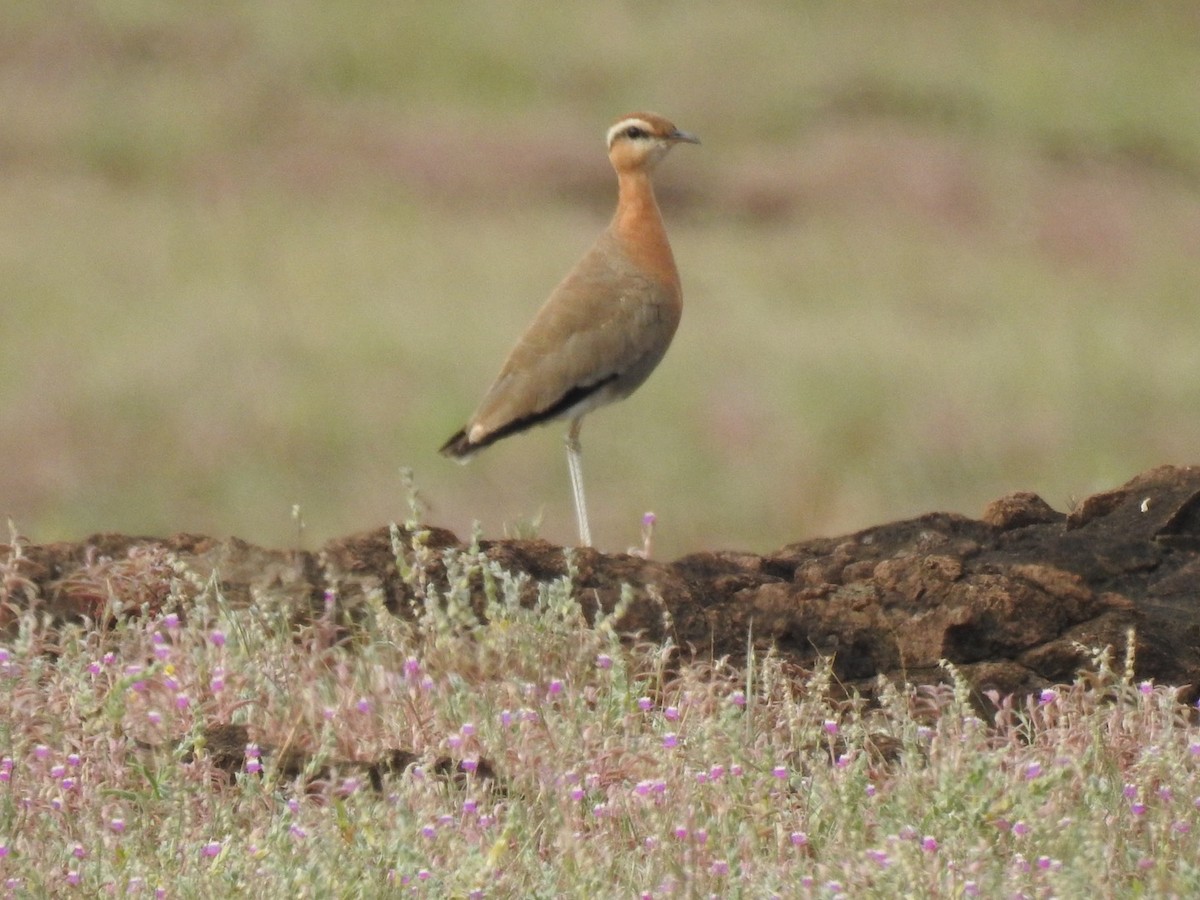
604	324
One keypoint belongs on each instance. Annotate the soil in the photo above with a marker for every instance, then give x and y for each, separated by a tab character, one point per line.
1018	599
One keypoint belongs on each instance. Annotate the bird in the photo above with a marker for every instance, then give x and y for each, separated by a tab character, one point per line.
607	324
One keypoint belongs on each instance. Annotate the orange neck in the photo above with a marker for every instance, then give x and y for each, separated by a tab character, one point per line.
638	225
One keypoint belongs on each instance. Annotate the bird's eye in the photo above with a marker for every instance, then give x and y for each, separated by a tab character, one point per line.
633	132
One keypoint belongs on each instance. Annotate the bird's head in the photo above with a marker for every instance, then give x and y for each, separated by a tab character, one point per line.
640	140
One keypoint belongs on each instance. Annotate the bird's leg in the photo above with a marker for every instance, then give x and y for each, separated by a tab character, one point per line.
574	462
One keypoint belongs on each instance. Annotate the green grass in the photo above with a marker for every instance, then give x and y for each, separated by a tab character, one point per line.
624	771
263	255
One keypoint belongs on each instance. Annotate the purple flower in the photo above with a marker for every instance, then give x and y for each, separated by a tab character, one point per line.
780	772
672	713
41	751
211	849
929	844
1020	829
720	867
363	705
645	704
469	765
831	726
117	825
738	698
217	637
1137	808
717	772
556	687
1032	771
1049	695
412	667
670	739
468	729
604	661
799	838
171	620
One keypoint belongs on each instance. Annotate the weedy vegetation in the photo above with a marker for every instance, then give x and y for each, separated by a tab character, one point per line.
584	764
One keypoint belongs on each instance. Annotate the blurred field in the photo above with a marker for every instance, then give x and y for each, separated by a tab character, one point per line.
262	254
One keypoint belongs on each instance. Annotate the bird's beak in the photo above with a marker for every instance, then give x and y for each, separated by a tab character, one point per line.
683	137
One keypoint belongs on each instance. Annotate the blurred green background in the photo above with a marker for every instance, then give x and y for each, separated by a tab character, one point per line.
257	254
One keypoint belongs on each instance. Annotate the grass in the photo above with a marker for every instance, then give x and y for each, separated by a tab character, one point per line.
623	770
267	255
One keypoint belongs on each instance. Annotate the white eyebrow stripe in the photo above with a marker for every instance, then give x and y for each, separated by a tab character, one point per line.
625	123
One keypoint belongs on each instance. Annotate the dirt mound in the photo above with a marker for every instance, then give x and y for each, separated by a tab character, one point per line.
1017	599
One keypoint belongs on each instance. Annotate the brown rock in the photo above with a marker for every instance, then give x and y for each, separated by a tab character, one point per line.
1009	599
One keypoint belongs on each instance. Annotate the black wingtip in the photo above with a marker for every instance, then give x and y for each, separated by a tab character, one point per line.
458	447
